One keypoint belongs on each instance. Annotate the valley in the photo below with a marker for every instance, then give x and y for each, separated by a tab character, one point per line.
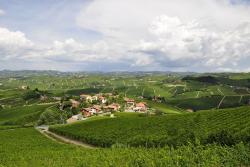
130	119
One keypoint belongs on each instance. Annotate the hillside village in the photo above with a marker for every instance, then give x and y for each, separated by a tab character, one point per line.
103	104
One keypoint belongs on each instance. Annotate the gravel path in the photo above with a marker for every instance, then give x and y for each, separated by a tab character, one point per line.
59	138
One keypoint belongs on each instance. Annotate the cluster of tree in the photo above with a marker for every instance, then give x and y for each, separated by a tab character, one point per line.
204	79
52	116
33	94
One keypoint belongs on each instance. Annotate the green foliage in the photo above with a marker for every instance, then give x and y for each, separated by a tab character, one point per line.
201	103
24	115
31	94
158	112
51	116
205	79
173	130
27	147
223	137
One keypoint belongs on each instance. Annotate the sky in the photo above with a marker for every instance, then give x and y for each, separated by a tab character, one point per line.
131	35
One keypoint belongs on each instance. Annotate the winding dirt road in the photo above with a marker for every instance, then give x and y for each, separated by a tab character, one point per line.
62	139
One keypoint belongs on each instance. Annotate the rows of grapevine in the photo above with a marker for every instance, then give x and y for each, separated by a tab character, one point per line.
22	115
210	102
27	147
173	130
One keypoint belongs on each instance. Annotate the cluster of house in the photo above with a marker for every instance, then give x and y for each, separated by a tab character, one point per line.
99	104
132	106
102	107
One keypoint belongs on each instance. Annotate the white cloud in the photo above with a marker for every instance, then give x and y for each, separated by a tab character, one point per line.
72	50
116	17
13	43
200	35
2	12
189	34
190	41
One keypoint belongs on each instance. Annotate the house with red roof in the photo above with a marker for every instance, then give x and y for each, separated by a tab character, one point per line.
140	107
129	102
112	107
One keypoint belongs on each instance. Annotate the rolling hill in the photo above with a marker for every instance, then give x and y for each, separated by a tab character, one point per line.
232	125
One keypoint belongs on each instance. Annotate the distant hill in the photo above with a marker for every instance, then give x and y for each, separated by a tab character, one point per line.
22	73
205	79
219	80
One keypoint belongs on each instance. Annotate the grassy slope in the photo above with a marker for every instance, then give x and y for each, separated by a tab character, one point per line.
163	107
176	129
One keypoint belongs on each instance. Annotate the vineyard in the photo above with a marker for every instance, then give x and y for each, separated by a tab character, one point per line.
196	93
210	102
229	125
25	115
214	132
27	147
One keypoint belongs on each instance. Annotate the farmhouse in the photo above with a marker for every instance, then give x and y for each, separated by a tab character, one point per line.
97	108
140	107
112	107
24	87
87	98
108	94
57	98
102	99
129	102
94	98
74	103
87	112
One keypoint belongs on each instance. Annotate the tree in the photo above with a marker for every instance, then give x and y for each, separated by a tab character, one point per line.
31	94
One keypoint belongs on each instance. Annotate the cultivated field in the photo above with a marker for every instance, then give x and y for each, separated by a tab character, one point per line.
27	147
192	119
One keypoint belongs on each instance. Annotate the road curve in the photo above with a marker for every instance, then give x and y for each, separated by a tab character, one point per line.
63	139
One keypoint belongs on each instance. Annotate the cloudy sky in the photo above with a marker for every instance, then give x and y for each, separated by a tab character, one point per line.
131	35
